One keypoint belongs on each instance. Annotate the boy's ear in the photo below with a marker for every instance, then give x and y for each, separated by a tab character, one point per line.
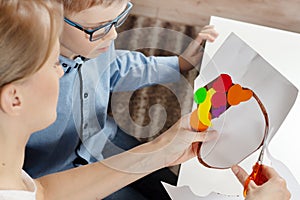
10	100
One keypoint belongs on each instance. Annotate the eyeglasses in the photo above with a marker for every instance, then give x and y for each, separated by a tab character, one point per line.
101	31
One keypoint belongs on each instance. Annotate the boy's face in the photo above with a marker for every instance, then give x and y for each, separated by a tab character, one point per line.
76	42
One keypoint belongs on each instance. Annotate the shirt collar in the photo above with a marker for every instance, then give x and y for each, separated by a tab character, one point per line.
69	64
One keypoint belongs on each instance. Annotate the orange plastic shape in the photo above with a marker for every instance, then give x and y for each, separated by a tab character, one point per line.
195	122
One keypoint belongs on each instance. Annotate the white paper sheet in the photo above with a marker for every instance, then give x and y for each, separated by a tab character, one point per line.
280	49
184	192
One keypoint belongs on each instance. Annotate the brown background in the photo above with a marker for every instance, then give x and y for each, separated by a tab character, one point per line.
282	14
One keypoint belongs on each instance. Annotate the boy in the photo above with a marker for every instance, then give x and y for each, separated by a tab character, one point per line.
93	69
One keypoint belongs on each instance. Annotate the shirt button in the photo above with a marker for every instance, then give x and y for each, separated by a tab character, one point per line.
86	95
85	126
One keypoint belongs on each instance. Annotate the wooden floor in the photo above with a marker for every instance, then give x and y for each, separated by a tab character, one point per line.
282	14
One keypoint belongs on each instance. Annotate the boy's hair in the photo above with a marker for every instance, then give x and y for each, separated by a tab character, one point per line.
75	6
26	38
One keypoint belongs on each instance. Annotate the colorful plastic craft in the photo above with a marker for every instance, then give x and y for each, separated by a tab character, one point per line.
214	99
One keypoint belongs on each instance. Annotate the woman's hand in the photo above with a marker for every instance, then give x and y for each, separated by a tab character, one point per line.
274	189
180	143
174	146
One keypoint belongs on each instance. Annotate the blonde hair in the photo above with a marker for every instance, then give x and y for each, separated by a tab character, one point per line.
26	38
75	6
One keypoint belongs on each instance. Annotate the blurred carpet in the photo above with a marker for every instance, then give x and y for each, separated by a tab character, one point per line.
142	100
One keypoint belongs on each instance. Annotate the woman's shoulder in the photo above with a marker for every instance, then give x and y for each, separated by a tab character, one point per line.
29	194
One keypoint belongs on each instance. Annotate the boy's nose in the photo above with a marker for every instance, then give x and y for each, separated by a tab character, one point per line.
112	34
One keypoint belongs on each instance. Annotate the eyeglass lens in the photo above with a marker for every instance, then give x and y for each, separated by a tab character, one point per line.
103	31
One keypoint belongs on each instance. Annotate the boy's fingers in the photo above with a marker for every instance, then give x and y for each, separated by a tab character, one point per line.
208	27
209	35
240	173
205	36
212	32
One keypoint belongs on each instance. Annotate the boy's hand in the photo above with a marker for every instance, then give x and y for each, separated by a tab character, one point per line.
192	56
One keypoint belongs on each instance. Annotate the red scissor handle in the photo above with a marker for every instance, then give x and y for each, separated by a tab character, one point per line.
256	175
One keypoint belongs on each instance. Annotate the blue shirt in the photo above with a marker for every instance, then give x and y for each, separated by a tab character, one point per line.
82	126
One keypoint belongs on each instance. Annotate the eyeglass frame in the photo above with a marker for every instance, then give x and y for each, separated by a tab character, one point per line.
109	24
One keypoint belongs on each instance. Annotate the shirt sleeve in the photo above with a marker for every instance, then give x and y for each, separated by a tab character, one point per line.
132	70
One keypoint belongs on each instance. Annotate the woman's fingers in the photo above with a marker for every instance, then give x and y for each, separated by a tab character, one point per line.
185	122
240	173
269	172
205	136
194	136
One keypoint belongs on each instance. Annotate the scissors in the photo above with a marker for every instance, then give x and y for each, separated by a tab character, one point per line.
257	169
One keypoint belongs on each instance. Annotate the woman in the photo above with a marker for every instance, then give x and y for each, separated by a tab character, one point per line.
29	77
29	80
